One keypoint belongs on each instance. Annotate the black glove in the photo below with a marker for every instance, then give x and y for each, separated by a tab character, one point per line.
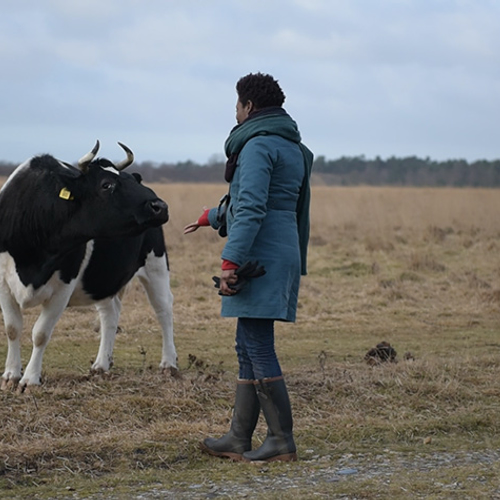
245	273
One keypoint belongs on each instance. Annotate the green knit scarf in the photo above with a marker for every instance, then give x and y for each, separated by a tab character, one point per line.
267	121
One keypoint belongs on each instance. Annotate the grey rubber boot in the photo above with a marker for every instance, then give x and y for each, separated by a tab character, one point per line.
245	416
279	444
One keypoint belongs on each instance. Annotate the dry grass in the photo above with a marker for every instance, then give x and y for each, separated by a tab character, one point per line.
415	267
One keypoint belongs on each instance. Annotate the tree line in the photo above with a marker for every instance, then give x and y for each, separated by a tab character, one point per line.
344	171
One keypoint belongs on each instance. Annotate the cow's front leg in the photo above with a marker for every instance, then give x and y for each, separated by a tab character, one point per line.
42	332
109	315
155	277
13	320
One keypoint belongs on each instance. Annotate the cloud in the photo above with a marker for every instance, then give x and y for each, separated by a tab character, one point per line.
361	76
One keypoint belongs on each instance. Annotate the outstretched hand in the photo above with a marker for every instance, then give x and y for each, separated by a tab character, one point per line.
191	228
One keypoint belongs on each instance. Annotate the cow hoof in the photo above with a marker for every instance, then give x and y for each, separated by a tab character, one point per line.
173	371
22	388
9	383
101	368
6	384
100	372
25	385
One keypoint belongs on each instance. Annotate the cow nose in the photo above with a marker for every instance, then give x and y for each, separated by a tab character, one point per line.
158	207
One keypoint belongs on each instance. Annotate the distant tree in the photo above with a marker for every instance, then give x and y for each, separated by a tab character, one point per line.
343	171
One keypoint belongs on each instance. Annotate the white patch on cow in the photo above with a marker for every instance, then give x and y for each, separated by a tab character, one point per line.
27	296
79	297
111	169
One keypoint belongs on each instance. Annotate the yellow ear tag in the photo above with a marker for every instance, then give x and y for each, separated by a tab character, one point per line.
65	194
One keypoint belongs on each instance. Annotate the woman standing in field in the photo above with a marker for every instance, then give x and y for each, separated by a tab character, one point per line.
267	218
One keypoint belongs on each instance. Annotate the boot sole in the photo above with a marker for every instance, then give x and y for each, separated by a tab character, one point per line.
235	457
287	457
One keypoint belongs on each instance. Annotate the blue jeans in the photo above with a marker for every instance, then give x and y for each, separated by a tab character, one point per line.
255	349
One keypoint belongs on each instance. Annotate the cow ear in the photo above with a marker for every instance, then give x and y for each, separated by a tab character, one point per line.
138	177
68	186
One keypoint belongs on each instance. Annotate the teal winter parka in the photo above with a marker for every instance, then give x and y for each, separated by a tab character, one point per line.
268	214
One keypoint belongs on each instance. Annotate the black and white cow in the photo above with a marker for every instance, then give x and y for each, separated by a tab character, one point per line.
76	236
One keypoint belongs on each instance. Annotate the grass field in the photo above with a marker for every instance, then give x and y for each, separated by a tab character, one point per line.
418	268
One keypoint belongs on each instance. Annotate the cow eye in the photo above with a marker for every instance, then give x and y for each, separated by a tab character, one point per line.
106	185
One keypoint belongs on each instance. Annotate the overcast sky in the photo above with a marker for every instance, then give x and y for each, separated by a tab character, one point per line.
362	77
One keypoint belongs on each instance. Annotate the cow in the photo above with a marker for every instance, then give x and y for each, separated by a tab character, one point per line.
73	237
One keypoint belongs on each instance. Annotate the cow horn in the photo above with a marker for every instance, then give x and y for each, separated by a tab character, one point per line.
128	161
83	162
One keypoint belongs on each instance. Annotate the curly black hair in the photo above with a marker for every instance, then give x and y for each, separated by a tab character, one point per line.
263	90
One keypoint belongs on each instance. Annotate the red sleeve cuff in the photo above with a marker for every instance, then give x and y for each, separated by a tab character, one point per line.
203	220
228	265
